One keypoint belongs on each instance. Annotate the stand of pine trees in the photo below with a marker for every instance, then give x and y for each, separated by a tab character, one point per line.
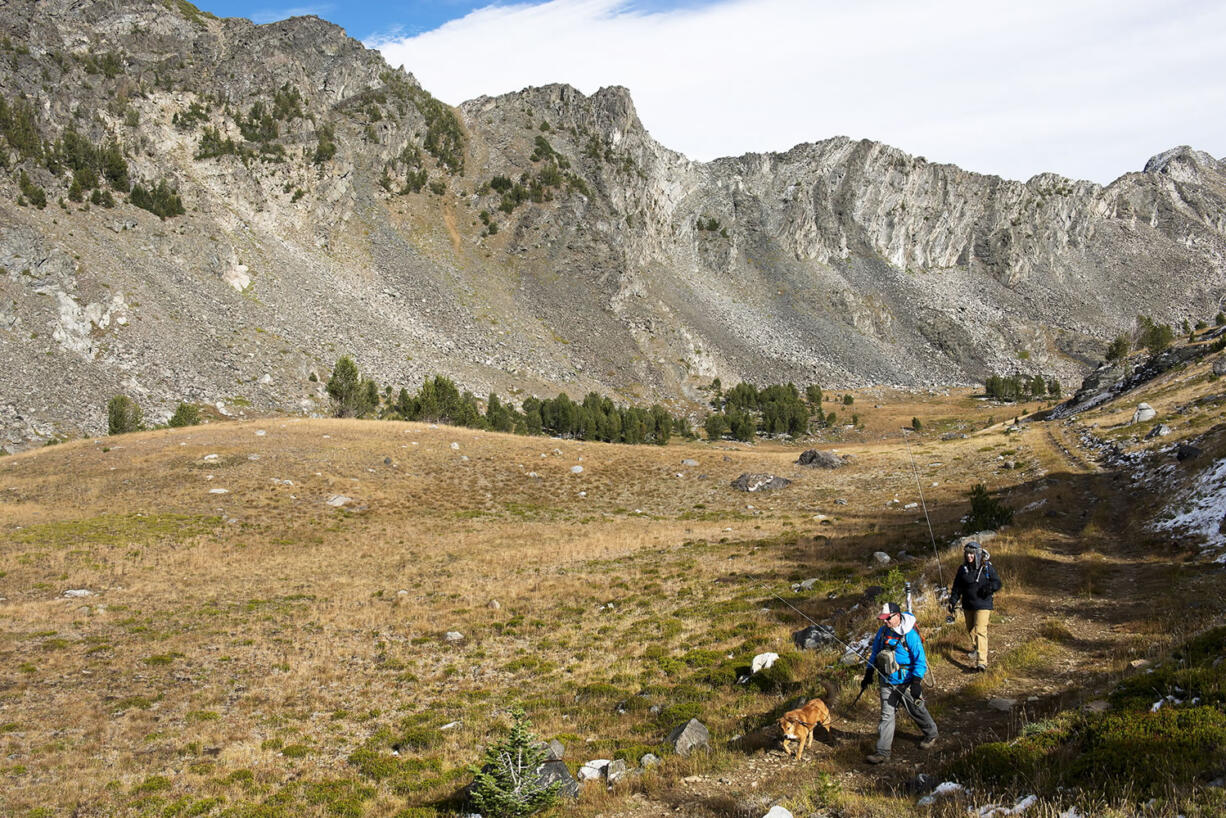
440	401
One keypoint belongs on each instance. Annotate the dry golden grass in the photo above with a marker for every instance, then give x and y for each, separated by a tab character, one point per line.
237	648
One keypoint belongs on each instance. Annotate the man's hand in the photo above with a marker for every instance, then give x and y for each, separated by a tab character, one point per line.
917	689
868	678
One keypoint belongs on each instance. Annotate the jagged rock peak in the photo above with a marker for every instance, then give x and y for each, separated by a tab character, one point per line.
610	110
1184	164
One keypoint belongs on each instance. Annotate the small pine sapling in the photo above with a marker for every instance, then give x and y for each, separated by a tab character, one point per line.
508	783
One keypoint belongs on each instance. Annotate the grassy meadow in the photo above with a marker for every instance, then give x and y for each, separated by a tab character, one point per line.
252	618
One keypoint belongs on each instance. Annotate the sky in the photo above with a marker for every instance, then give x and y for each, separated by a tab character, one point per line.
1089	89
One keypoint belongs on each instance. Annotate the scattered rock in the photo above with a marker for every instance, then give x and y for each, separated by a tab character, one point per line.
689	462
814	637
980	537
1144	412
78	592
219	491
777	812
1219	365
1186	451
649	760
1003	705
1161	430
453	636
455	445
690	737
593	769
806	584
840	502
615	770
339	500
576	470
556	770
881	558
819	459
494	605
759	482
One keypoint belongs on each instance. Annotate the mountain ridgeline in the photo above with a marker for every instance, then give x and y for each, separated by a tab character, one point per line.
206	210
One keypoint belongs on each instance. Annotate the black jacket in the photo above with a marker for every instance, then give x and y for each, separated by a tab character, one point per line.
974	585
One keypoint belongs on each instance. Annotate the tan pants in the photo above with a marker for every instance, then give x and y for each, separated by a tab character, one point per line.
977	629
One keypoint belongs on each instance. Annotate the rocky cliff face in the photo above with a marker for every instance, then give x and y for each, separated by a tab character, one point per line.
530	243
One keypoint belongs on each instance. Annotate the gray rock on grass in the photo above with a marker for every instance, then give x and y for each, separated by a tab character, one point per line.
750	482
690	737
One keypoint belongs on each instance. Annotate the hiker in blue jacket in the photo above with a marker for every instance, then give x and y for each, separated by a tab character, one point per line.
974	584
898	659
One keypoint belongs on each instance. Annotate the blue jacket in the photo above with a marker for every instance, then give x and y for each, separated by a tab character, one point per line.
908	651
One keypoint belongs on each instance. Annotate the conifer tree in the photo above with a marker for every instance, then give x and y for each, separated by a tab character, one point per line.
508	783
123	415
345	387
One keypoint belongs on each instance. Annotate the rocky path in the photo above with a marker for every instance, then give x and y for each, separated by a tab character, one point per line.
1080	605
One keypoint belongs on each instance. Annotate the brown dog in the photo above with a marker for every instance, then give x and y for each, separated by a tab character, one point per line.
798	725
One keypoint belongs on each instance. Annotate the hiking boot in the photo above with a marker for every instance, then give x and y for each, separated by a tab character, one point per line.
980	668
928	743
876	758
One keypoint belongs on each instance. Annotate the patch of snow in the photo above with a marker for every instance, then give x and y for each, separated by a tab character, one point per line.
943	789
762	661
1204	507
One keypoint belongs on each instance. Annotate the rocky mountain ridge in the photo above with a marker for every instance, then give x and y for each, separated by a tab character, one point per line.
528	243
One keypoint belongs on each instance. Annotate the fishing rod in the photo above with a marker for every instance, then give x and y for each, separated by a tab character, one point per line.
829	630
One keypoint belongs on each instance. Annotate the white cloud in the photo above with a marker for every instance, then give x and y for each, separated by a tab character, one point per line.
1086	88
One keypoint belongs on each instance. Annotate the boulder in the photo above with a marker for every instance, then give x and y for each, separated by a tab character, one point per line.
814	637
616	770
1186	451
1161	430
649	760
690	737
593	769
555	750
556	770
881	558
1144	413
819	459
777	812
759	482
1219	365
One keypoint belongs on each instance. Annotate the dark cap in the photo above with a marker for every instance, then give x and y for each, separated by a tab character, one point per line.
972	546
888	610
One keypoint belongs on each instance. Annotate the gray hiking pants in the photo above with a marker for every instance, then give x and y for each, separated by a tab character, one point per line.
890	700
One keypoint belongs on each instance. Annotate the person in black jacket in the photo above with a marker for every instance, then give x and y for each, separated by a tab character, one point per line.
974	585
